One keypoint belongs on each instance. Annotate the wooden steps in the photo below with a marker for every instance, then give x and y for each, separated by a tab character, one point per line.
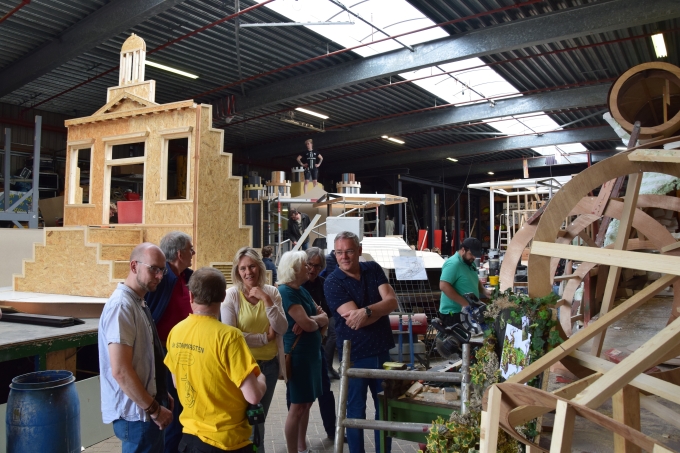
97	260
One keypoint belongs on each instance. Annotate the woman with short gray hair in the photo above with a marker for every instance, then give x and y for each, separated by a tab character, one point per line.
303	342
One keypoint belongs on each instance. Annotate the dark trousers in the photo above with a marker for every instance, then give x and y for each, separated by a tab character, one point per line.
173	432
329	347
192	444
326	400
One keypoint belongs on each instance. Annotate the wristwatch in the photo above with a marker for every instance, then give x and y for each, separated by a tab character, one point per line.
369	312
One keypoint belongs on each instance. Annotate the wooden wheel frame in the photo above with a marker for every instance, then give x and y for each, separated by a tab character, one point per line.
621	382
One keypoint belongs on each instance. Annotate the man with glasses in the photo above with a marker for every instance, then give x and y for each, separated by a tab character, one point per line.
169	304
362	299
134	391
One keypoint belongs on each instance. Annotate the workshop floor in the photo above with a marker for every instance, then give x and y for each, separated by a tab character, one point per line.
636	328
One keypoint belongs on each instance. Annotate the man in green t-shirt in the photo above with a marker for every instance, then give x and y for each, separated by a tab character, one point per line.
459	276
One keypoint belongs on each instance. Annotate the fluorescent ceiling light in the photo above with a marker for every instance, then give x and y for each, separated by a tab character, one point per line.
169	69
395	140
491	173
452	159
621	148
309	112
659	45
384	136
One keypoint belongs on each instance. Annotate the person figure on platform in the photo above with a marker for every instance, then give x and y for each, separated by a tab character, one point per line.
362	300
267	252
297	224
169	304
312	163
134	393
460	276
215	373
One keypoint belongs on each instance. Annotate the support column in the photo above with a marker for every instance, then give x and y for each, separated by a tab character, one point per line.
381	222
399	214
431	219
492	233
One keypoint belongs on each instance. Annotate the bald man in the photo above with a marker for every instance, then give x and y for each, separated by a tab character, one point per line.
133	387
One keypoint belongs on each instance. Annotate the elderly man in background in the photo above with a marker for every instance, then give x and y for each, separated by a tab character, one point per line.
361	299
134	393
169	304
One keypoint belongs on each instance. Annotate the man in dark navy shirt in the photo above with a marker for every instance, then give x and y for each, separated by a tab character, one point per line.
362	300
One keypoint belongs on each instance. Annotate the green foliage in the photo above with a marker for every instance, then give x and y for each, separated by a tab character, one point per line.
461	433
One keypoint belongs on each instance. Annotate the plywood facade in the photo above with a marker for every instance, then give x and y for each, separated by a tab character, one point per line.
212	211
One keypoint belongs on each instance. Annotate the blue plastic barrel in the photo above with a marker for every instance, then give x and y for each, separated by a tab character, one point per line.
43	413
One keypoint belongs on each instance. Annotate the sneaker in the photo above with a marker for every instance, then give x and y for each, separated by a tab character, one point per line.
332	373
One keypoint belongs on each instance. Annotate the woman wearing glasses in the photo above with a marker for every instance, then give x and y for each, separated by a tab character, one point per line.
255	308
303	342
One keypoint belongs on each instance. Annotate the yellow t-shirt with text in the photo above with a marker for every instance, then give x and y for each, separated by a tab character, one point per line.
210	361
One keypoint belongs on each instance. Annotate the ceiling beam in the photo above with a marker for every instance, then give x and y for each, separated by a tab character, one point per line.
473	148
573	22
541	102
107	22
501	167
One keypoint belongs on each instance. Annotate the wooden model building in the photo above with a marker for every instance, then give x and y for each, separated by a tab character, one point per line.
183	175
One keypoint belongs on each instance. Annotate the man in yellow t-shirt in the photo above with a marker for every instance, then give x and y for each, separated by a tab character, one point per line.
214	372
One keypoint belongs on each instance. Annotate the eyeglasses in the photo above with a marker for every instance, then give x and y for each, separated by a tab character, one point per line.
345	252
155	269
314	266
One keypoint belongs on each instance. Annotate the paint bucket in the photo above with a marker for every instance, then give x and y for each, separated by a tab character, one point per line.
43	413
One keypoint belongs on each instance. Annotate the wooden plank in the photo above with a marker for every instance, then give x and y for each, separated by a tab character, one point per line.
621	243
666	414
655	155
643	382
309	229
665	264
560	278
648	355
566	348
670	248
488	427
626	405
563	428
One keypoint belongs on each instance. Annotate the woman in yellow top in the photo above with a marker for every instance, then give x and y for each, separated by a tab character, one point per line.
255	308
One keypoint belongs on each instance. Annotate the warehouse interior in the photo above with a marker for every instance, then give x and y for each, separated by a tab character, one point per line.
543	128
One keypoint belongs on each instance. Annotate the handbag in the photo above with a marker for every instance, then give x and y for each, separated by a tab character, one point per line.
289	359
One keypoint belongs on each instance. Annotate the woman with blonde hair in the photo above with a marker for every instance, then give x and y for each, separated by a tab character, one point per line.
255	308
303	342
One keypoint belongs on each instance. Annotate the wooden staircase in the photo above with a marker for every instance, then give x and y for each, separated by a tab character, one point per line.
98	260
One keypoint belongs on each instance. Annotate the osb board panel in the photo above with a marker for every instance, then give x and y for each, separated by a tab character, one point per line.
54	269
121	269
153	213
64	359
16	245
155	233
116	252
219	228
143	90
115	236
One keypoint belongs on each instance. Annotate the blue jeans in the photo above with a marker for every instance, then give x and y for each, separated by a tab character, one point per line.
356	402
139	437
270	369
173	432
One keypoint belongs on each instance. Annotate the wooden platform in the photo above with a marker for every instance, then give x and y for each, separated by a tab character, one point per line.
51	304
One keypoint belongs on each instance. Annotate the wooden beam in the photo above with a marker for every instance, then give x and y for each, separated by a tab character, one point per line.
646	356
655	155
572	344
626	405
621	243
563	428
643	382
309	229
666	414
670	248
665	264
489	425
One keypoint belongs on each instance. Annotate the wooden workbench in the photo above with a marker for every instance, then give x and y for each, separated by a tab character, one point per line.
53	347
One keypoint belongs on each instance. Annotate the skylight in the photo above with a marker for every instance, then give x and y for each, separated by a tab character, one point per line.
392	16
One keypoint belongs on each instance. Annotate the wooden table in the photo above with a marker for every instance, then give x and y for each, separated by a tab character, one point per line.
52	347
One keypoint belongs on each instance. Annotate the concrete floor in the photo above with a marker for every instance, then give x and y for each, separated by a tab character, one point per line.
635	328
